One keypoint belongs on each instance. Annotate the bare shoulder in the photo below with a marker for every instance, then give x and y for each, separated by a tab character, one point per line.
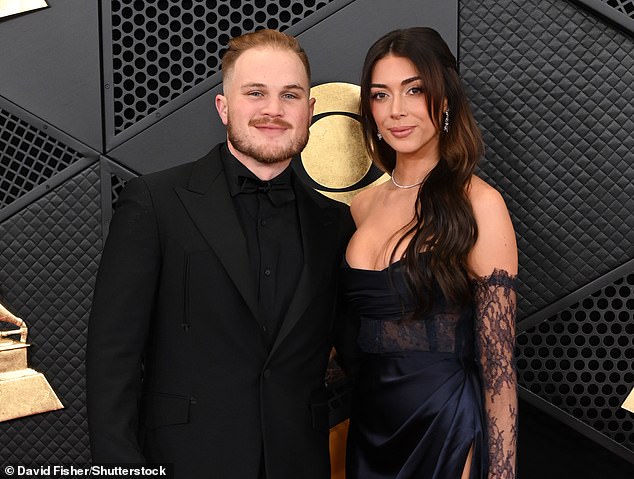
483	197
496	247
361	204
489	207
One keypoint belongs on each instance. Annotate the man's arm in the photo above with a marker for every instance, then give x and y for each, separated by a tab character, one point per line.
119	322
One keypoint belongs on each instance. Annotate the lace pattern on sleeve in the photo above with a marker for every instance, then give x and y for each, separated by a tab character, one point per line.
495	308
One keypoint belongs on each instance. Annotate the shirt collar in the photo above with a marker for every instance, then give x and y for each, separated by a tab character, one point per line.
234	170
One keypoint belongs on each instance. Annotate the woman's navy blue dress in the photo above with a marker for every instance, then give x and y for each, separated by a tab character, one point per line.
418	404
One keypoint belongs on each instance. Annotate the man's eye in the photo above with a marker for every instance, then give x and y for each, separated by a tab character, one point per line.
255	93
289	96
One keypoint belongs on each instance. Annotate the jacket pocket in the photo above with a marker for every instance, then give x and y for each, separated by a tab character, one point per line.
165	409
185	323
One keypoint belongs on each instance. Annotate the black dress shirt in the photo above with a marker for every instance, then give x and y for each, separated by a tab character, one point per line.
268	214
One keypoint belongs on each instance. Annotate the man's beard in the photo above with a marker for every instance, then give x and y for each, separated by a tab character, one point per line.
266	153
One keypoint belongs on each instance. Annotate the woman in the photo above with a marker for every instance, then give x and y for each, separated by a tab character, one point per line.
430	276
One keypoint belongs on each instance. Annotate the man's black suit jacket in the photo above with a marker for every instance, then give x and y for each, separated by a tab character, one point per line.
177	364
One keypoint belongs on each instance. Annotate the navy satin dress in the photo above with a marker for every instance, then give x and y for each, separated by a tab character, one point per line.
417	402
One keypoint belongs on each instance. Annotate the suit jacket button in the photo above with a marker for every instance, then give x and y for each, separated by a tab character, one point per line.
267	373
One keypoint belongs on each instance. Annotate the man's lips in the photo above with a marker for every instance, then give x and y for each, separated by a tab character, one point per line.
272	125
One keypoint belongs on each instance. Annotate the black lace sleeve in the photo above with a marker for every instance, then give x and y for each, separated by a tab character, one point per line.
495	305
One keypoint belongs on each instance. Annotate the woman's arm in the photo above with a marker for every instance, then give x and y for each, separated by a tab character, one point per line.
493	261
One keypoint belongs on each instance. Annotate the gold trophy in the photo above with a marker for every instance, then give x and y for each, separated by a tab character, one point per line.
628	404
15	7
23	391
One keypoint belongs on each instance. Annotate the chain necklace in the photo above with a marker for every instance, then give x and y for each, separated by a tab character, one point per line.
405	187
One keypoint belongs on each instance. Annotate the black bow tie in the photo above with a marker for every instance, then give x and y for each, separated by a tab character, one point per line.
278	191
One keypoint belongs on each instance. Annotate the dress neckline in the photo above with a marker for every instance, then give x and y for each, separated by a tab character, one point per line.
363	270
395	264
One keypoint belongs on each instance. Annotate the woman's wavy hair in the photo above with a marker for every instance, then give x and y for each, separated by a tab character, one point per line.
444	224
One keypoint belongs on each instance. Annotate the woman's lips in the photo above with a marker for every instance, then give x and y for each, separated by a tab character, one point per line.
401	131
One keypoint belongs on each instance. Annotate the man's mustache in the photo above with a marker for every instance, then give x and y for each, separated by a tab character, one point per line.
270	121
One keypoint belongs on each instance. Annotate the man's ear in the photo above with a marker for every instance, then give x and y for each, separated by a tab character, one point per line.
311	106
221	108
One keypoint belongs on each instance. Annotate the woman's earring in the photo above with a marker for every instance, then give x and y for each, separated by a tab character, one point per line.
379	136
445	127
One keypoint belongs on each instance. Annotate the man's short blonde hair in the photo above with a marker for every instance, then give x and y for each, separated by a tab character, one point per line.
262	39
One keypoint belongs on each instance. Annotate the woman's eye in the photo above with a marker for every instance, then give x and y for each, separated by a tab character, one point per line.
379	95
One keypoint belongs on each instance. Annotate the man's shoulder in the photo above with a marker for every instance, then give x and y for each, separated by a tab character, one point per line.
181	174
322	200
333	210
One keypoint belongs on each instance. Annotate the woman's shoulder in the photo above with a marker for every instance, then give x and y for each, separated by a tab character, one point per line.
496	246
362	202
489	207
483	196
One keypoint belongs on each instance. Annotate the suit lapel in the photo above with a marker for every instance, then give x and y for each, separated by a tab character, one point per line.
317	226
208	203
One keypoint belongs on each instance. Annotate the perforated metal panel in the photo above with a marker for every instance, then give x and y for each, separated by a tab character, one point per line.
162	49
582	359
28	157
623	6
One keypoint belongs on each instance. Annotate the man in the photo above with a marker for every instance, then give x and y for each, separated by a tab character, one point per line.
210	329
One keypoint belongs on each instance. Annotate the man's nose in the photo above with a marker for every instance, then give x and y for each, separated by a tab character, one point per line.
273	107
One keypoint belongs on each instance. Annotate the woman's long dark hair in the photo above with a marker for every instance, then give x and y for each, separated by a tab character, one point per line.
443	224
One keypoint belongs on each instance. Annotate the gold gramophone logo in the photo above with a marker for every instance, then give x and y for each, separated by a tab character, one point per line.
15	7
334	161
23	391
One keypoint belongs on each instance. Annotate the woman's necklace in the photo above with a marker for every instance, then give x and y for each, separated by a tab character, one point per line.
405	187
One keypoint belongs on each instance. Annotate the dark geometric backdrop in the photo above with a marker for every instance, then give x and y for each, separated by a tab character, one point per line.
553	89
93	94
